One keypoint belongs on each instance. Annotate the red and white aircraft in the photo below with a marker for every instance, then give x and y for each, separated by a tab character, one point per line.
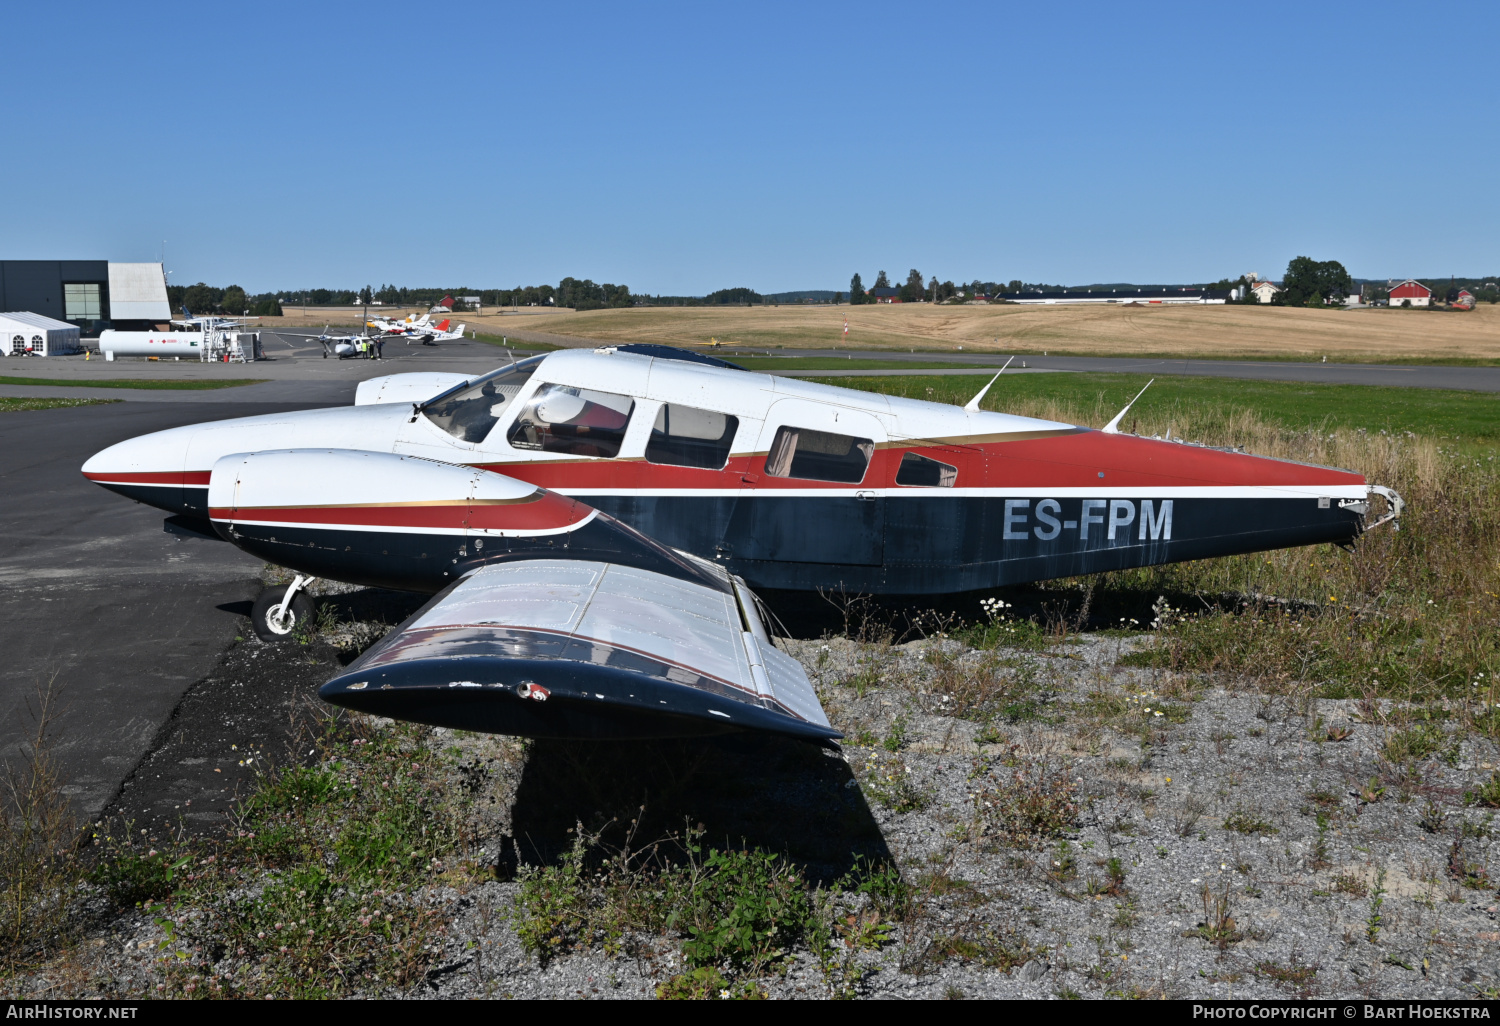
593	524
419	329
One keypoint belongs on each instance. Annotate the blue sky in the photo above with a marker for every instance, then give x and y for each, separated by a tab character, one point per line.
684	148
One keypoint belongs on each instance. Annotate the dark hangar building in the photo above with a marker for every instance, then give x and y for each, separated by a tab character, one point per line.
93	294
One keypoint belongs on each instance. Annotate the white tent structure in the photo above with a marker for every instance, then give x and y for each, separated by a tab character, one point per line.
23	334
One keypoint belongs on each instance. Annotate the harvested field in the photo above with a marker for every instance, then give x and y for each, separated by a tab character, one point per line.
1236	332
1216	332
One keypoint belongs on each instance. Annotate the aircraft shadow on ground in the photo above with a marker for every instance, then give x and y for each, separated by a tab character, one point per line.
740	791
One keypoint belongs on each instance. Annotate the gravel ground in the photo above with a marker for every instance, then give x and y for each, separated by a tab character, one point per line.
1255	856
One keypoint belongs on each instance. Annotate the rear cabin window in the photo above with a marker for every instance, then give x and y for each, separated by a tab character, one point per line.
573	421
819	456
686	437
471	412
922	472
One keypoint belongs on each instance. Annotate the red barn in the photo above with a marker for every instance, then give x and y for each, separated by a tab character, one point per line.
1411	293
1465	300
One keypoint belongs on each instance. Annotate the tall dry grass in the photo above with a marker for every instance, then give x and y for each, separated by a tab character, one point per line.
1414	612
40	868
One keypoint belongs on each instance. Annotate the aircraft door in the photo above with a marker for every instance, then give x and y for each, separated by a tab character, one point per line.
812	497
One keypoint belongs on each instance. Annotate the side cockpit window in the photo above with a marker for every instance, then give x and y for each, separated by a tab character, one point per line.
687	437
922	472
470	413
572	421
819	456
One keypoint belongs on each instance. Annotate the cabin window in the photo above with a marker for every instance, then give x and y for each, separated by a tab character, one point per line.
573	421
470	412
922	472
686	437
819	456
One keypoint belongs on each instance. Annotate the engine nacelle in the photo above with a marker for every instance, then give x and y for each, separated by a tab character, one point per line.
415	387
406	522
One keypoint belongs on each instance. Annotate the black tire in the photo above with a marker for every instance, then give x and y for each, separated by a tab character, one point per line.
260	615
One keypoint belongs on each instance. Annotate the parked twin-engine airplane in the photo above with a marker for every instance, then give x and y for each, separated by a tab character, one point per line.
417	329
593	524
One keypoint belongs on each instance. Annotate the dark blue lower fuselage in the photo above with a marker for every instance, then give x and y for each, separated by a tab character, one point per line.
911	545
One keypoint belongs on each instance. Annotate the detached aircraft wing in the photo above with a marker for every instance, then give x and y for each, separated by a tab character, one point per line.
582	649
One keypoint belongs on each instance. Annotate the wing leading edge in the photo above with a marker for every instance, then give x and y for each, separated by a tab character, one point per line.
563	648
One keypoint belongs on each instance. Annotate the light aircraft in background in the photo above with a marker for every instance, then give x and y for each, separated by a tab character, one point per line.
594	525
344	347
421	330
391	326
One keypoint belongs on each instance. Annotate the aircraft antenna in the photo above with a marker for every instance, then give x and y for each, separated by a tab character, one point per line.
972	406
1113	427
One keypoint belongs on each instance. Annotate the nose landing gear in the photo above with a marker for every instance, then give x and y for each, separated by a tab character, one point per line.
278	612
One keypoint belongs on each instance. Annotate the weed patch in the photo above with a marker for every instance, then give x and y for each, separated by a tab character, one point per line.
1244	823
1486	794
1218	926
318	893
1415	744
1025	801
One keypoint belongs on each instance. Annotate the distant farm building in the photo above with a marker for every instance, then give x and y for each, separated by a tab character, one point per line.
1411	293
884	295
444	305
1151	297
1265	291
1465	300
30	334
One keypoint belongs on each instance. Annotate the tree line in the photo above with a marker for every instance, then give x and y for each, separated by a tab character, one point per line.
1307	282
203	299
916	289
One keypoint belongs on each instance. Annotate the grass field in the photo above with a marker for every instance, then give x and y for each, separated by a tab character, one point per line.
172	383
1214	404
11	404
782	364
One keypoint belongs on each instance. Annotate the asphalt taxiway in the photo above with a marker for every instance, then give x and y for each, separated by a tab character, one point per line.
98	605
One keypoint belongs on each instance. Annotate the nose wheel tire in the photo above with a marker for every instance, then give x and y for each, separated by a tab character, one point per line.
272	622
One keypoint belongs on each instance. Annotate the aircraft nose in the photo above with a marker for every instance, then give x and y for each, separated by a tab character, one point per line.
151	469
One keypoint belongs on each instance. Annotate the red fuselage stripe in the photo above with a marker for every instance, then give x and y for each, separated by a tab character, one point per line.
167	477
551	512
1064	461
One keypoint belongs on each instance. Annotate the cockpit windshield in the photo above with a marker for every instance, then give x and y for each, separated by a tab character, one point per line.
469	412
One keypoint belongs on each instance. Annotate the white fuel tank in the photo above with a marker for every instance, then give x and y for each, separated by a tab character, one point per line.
150	343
